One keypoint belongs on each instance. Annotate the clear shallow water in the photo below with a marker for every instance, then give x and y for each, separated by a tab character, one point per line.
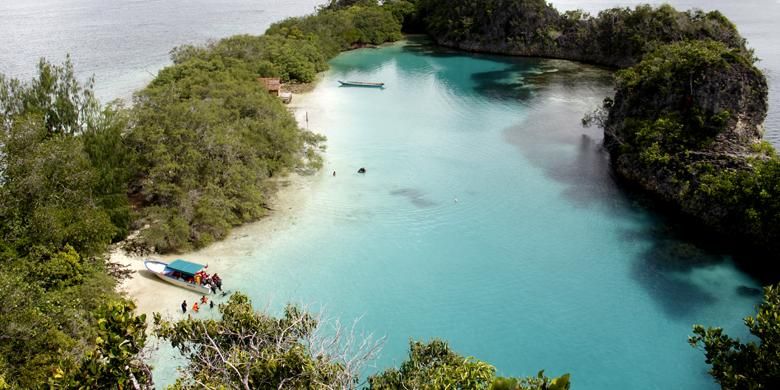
488	218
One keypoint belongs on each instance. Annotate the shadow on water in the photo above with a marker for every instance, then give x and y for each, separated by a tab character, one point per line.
507	84
370	60
751	292
679	247
665	268
415	197
498	85
553	139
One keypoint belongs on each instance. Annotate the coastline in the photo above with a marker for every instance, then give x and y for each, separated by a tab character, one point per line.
151	294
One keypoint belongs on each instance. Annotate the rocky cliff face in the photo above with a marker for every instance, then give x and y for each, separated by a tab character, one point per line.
684	121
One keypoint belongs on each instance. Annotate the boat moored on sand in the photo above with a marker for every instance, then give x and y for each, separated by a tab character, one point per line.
183	273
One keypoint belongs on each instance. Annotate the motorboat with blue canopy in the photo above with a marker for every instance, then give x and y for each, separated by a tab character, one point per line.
182	273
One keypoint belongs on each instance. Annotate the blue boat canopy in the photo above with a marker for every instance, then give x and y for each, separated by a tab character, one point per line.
185	267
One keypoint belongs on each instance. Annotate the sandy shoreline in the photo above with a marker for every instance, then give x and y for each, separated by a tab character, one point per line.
154	295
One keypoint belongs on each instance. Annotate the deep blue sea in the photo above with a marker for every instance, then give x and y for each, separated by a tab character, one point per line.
487	217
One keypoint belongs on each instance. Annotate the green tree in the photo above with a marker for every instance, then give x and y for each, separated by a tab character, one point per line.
245	349
55	225
61	103
750	366
114	163
115	361
49	185
434	366
45	324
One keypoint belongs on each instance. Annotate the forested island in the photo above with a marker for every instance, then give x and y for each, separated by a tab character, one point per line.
198	152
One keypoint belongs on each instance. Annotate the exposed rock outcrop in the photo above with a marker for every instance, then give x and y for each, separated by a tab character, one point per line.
686	125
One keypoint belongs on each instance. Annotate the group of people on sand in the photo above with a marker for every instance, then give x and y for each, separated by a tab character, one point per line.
195	307
212	282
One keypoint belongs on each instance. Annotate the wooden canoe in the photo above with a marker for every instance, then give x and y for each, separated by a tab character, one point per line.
361	84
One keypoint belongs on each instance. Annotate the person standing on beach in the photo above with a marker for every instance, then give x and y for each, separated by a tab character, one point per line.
217	281
184	307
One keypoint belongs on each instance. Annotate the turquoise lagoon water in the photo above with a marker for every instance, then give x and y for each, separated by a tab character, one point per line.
488	218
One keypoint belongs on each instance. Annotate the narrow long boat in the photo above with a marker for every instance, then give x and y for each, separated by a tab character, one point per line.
179	272
361	84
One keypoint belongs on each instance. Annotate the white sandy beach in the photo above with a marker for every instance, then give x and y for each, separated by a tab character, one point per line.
154	295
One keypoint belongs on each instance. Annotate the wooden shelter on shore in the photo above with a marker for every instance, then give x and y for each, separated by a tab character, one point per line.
274	87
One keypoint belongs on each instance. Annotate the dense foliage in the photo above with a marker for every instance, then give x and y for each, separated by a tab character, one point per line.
60	206
245	349
207	137
338	29
615	37
435	366
191	158
750	366
693	112
52	191
116	360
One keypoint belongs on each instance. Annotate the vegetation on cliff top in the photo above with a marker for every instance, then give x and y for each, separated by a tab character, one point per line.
617	37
